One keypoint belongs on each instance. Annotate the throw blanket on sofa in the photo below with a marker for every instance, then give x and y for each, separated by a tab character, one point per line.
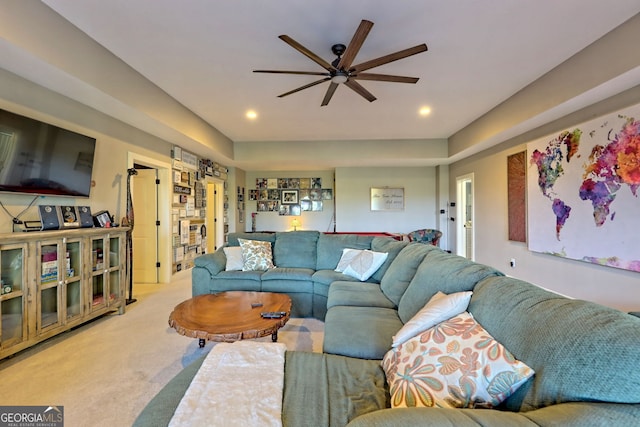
238	383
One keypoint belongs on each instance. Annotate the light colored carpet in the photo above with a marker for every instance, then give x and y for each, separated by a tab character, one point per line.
106	371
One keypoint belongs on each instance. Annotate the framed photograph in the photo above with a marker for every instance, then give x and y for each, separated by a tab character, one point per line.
273	194
261	183
285	210
327	194
69	216
315	194
305	183
289	197
294	182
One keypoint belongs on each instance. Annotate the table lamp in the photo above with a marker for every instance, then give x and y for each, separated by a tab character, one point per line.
295	223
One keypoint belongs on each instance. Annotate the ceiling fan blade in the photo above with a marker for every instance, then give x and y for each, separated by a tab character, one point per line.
330	91
306	73
355	44
357	87
389	58
384	78
306	52
304	87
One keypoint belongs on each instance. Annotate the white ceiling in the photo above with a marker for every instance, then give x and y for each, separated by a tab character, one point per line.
202	53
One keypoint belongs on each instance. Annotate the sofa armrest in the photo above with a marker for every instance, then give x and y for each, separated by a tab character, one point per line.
214	263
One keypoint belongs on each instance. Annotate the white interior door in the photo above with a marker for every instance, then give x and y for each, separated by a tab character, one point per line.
464	217
145	231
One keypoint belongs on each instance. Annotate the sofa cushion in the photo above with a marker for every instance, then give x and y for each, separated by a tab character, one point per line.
296	249
327	277
234	258
569	343
357	294
330	248
348	255
256	254
455	364
440	271
360	263
392	247
440	307
280	273
236	281
362	332
329	390
399	274
232	238
288	280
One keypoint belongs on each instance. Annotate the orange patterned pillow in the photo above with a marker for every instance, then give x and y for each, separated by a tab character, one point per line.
455	364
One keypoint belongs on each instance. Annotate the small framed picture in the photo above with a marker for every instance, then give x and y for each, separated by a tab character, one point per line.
289	197
69	216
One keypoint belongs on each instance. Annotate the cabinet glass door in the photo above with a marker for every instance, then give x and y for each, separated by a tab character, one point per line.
11	321
114	269
73	282
12	292
49	285
98	287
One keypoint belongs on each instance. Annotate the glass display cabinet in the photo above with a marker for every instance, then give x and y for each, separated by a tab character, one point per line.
13	327
52	281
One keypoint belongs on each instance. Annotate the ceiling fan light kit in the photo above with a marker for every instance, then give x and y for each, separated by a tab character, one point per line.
341	70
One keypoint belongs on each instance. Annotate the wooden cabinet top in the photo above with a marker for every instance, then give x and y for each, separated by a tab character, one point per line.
21	237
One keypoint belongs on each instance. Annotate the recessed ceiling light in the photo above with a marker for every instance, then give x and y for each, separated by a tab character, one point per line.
425	111
252	115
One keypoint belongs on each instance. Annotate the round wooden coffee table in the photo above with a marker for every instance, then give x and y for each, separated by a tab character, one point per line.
230	316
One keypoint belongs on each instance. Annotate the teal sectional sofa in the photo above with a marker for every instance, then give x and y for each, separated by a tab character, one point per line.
305	262
585	356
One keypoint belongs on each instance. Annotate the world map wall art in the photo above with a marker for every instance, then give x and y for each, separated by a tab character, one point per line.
582	187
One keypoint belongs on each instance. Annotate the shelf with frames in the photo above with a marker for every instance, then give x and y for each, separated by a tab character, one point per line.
51	282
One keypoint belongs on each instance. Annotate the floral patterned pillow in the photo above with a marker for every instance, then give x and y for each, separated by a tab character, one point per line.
256	255
455	364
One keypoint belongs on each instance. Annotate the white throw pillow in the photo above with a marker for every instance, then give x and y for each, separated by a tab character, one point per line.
440	307
234	258
364	264
348	255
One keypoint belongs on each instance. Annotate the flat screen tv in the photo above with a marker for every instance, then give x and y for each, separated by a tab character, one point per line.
40	158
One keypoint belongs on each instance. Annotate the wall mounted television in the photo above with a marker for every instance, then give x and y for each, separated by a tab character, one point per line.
40	158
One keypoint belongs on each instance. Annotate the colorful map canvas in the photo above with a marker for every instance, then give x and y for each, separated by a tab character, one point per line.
582	187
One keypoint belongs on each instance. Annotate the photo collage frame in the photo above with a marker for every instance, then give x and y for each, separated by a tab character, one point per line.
290	196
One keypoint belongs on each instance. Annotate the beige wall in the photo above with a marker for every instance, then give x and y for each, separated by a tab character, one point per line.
353	205
271	221
114	140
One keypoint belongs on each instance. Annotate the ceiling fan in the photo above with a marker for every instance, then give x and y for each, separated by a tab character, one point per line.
340	70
